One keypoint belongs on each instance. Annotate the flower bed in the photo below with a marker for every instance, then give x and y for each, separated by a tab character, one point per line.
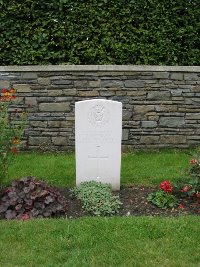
185	192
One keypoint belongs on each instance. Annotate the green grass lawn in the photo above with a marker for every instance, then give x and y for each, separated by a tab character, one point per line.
137	241
92	241
145	167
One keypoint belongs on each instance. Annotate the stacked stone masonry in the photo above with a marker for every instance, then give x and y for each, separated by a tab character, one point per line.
161	105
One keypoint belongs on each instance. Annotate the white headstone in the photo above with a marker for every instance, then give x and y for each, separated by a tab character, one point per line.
98	132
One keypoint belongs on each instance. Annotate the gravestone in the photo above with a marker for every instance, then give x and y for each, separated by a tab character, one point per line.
98	132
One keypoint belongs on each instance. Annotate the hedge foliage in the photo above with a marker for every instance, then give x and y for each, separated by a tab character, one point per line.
153	32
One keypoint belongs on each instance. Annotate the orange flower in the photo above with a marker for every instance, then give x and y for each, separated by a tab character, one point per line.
16	141
7	94
13	91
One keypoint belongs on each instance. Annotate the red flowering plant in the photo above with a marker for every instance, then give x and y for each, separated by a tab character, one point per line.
194	181
195	166
190	187
163	198
186	190
166	186
12	126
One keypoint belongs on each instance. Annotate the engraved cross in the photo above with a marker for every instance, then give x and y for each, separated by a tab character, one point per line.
98	157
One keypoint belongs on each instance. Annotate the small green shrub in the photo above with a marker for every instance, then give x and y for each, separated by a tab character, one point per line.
163	199
97	198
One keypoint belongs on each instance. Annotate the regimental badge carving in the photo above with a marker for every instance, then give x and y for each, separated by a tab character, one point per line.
98	115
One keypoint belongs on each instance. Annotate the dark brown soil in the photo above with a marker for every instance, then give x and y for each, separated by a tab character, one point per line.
134	203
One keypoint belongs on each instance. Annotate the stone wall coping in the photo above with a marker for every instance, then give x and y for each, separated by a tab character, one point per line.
131	68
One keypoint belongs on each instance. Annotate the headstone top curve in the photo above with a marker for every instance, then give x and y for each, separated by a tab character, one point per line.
97	100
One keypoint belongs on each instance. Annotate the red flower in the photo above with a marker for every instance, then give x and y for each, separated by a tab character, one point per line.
198	194
166	186
181	207
186	188
25	216
14	150
193	161
4	91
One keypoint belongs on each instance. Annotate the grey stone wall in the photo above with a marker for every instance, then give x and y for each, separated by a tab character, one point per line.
161	105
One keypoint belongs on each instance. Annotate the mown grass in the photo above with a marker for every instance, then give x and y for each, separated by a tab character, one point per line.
137	241
57	169
144	167
92	241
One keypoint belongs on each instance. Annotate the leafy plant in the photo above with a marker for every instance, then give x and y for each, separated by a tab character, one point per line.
191	186
163	199
11	129
195	166
29	198
186	188
97	198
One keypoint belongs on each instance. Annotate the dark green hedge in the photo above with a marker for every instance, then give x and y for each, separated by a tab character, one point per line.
153	32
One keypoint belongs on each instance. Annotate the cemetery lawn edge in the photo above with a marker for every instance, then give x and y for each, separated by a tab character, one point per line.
133	241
